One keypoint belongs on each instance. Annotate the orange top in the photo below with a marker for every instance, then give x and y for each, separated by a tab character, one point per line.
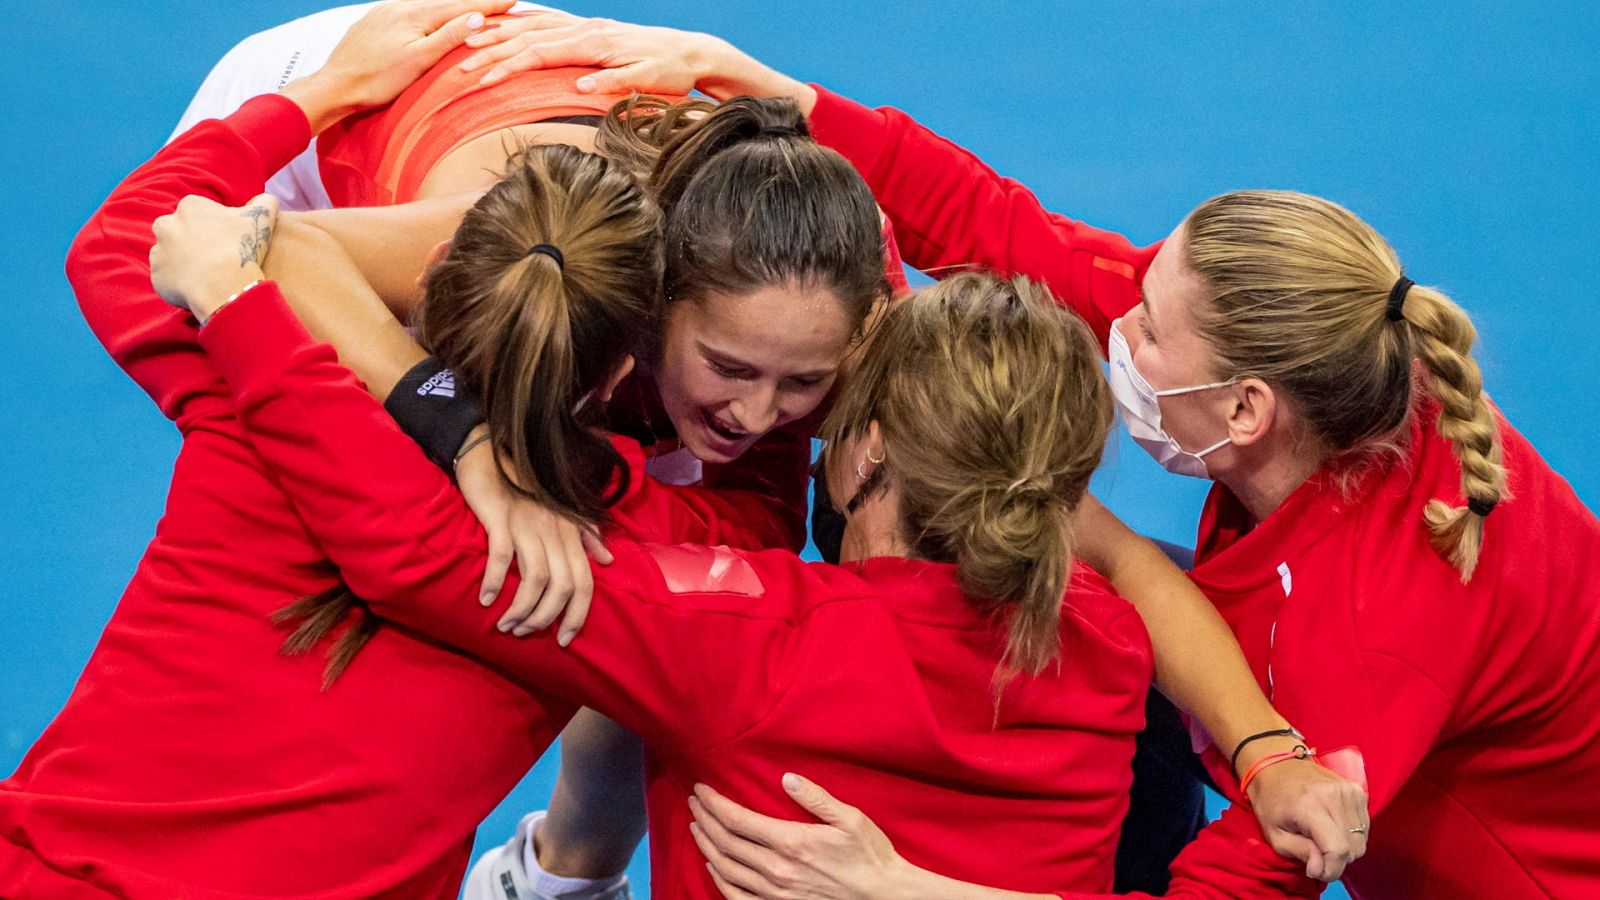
380	157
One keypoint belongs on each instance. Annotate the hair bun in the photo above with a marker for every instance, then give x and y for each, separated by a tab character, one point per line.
1032	485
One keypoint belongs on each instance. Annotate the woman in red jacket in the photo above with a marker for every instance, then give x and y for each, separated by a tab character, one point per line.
1401	568
939	670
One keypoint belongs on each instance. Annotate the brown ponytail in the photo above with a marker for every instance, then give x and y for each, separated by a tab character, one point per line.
1300	297
532	334
994	414
751	200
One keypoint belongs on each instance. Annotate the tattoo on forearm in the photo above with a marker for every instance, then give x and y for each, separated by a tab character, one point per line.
252	247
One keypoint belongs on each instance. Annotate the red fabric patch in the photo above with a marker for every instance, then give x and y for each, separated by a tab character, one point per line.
691	569
1115	265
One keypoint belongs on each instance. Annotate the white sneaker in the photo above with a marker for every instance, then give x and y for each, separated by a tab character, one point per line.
502	874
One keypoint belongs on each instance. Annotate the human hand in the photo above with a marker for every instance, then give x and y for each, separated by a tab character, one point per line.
548	547
384	52
845	856
636	57
205	252
1311	814
642	58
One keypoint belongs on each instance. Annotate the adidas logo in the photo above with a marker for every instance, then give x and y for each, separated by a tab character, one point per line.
442	384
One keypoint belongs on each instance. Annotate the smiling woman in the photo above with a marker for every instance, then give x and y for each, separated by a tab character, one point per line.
774	259
743	364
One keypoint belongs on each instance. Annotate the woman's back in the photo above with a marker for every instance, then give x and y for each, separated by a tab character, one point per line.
447	134
385	155
735	667
885	693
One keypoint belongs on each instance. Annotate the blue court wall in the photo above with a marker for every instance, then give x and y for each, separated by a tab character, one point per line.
1468	133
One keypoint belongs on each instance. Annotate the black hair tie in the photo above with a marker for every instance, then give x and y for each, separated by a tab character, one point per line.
550	251
778	131
1397	298
1481	508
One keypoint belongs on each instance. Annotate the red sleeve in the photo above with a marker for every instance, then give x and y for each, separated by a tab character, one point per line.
406	542
227	160
950	212
1389	709
1230	860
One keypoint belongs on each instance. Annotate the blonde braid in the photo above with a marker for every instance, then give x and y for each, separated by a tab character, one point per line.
1300	296
1443	337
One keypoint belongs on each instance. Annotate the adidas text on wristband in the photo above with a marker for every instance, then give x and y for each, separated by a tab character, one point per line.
434	411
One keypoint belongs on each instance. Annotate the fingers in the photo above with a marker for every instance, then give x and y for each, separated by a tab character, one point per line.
1354	803
494	573
531	562
726	853
534	51
552	15
598	551
634	76
506	46
557	591
727	888
432	15
1296	847
577	609
748	824
519	30
1291	845
448	37
559	586
1332	842
818	802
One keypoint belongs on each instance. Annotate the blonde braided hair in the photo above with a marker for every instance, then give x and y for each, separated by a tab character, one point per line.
1300	292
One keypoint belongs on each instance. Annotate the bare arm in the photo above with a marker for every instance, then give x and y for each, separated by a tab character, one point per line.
635	57
1199	665
388	246
1305	810
392	246
328	293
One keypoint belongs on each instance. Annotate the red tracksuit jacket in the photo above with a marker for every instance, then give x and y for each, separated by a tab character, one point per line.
192	760
1477	707
736	667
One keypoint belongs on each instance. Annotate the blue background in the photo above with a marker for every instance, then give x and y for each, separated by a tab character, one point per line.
1468	133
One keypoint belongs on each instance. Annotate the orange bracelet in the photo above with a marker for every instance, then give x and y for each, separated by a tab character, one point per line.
1301	751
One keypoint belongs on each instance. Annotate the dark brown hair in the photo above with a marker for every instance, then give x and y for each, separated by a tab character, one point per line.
533	336
994	413
750	199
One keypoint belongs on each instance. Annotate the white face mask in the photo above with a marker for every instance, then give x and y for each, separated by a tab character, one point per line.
1141	411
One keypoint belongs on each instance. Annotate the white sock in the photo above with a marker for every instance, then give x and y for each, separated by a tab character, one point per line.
555	885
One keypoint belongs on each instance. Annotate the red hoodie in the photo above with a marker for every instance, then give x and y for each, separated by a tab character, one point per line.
192	760
1475	706
735	667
